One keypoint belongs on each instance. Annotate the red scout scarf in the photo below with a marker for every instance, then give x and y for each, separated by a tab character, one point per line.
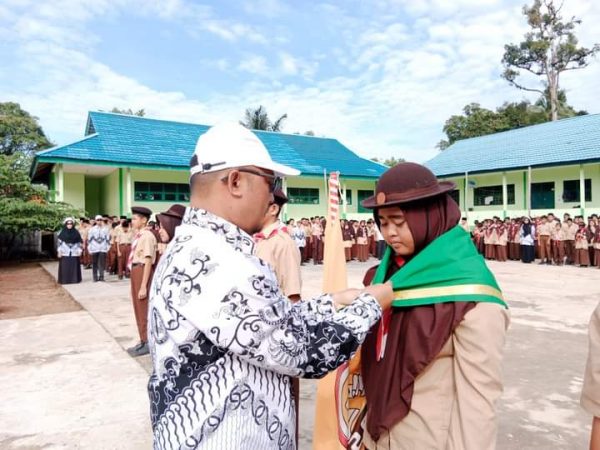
278	229
132	251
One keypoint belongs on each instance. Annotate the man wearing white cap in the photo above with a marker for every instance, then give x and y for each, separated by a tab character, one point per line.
224	339
98	245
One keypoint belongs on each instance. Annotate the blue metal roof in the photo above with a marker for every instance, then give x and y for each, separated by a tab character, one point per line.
566	141
138	141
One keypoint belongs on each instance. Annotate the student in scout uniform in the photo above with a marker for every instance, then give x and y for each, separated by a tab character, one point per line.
297	234
86	259
124	240
591	233
501	241
362	242
141	260
582	253
347	237
569	231
317	241
442	394
372	238
558	244
168	221
545	230
225	340
111	266
275	246
590	392
69	251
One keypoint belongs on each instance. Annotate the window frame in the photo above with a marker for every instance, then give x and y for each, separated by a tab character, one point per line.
296	198
510	193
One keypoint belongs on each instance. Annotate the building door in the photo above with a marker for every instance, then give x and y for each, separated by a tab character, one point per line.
542	195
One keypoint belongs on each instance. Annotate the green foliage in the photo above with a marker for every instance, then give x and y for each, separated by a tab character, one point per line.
20	131
24	206
258	119
549	49
129	111
390	162
477	121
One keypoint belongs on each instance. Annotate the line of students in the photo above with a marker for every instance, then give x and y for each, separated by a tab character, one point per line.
362	239
571	241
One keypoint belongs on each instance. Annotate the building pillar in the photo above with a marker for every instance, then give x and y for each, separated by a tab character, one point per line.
345	210
128	192
504	196
582	190
466	195
60	183
529	191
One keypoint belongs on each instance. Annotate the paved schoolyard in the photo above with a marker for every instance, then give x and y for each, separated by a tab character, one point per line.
68	383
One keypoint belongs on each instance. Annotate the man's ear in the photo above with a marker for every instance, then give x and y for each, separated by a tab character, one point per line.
234	183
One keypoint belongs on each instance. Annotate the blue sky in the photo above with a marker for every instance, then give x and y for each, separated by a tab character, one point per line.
381	76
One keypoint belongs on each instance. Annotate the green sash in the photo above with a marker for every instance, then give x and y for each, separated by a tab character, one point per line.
449	269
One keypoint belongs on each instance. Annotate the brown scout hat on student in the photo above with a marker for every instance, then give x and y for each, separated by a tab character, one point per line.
171	218
142	211
279	197
405	183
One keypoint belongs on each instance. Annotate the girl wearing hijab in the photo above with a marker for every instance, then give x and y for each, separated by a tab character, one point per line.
69	251
431	367
527	240
168	221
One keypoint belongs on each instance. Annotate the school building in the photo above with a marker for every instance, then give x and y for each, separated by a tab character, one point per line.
551	167
126	161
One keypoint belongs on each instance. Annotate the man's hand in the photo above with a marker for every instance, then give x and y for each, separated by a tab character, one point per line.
142	293
345	298
383	293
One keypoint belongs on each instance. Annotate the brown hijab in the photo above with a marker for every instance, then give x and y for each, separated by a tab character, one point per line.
417	334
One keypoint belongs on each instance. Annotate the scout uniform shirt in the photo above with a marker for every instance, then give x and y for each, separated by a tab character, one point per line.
144	246
125	236
275	246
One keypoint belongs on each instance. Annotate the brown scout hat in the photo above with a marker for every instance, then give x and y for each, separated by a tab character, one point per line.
404	183
176	211
279	197
142	211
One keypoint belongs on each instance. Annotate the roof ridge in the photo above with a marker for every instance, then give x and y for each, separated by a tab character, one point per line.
133	116
58	147
528	127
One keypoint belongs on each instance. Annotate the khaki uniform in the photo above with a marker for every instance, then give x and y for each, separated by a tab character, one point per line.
453	404
317	242
569	234
590	393
545	230
558	245
124	239
145	247
281	252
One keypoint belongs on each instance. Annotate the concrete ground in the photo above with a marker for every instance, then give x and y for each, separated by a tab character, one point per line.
68	383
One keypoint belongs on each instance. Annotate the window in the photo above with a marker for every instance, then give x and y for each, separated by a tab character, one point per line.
492	195
303	196
161	192
361	195
348	196
571	191
455	194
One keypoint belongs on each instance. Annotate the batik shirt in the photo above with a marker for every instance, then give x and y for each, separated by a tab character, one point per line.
224	341
98	240
69	249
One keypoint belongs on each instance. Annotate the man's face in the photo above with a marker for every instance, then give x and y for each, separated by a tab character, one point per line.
395	230
257	199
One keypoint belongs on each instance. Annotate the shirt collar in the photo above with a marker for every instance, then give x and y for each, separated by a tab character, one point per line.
230	233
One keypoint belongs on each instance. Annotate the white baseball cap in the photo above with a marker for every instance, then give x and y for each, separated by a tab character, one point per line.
98	217
230	145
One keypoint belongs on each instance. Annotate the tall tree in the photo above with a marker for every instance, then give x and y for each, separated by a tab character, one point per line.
258	119
549	49
20	132
129	111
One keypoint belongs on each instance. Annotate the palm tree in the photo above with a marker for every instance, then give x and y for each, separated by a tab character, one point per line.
258	119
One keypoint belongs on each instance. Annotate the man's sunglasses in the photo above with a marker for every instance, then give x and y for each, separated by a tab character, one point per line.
275	182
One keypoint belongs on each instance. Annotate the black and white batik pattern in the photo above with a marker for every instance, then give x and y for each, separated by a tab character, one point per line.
224	342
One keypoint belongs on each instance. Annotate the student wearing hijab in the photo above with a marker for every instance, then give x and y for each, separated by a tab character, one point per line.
527	240
431	367
168	221
69	251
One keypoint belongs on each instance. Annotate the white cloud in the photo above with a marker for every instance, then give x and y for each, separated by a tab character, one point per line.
254	64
